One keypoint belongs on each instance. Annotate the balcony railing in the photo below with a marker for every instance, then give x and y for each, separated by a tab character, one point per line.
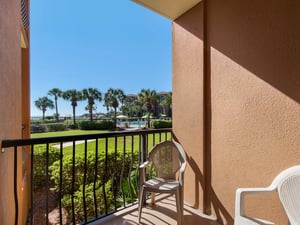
83	178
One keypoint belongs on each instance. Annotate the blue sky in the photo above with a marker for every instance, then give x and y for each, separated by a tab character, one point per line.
99	44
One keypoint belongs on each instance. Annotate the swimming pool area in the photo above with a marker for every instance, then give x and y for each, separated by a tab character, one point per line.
137	123
132	124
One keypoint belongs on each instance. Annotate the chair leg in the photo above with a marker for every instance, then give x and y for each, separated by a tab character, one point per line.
141	202
178	206
152	198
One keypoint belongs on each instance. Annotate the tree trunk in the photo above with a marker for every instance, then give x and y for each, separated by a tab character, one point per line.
74	120
115	117
56	116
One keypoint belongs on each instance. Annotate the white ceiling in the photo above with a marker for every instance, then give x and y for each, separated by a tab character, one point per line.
171	9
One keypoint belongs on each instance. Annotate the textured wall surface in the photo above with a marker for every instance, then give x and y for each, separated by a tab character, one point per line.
251	99
188	94
12	104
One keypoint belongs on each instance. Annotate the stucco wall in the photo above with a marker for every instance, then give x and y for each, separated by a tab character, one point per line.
11	104
251	99
188	105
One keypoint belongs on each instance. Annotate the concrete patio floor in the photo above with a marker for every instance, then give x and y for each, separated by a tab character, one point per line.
163	213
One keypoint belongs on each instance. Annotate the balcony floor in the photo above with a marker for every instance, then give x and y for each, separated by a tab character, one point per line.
163	213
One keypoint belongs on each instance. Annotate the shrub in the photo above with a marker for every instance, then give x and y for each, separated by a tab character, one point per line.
156	124
73	126
113	169
56	127
36	128
39	160
90	199
96	125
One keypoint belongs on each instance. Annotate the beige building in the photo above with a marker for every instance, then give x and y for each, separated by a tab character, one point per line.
236	64
236	95
15	103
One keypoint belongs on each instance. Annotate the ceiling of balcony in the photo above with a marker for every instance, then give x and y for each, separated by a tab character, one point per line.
171	9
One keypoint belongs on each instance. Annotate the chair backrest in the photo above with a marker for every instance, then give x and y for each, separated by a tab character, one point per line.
289	194
288	187
167	158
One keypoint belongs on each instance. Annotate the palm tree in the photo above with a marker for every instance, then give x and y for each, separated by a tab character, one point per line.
73	96
91	94
56	93
167	104
112	98
44	103
148	98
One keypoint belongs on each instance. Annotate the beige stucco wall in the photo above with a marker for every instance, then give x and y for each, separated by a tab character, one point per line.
250	70
12	104
188	105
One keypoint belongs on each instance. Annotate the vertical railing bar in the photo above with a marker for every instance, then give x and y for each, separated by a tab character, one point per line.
153	139
114	174
47	183
122	171
159	136
138	164
73	180
144	147
84	180
166	136
104	175
95	179
140	149
32	186
144	143
130	169
16	184
60	182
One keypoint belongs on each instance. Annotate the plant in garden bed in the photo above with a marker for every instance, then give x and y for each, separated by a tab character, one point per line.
112	171
39	160
90	200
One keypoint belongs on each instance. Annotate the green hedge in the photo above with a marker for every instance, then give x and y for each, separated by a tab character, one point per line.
40	164
96	125
90	199
111	172
156	124
113	165
114	176
52	127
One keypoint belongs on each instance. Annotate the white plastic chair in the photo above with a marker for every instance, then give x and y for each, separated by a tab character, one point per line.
169	161
287	184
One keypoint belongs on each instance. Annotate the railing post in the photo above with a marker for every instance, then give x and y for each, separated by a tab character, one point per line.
144	152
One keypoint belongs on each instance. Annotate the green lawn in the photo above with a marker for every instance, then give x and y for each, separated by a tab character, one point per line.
66	133
91	146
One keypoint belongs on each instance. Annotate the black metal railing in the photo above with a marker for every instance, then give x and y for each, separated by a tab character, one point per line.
83	178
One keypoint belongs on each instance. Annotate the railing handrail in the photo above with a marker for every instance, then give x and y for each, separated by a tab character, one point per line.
47	140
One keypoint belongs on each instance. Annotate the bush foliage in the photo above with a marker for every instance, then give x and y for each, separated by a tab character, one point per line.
52	127
106	178
40	164
156	124
96	125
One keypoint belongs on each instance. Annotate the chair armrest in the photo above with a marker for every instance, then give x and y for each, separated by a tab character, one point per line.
181	173
142	166
142	175
242	192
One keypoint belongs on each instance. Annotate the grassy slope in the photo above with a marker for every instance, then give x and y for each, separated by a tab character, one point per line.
66	133
91	146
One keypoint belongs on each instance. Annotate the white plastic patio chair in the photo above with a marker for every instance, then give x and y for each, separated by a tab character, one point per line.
287	184
169	161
